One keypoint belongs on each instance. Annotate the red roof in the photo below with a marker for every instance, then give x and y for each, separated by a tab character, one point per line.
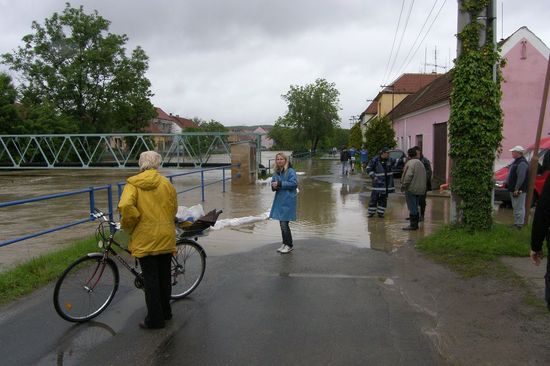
410	83
163	115
435	92
183	122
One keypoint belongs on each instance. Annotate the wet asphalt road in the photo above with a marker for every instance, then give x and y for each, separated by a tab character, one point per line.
324	304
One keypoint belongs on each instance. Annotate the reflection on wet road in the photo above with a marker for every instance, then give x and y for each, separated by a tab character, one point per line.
330	206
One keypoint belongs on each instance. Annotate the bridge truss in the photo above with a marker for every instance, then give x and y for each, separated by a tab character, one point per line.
118	150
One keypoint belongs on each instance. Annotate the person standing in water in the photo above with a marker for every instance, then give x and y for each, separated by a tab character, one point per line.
284	183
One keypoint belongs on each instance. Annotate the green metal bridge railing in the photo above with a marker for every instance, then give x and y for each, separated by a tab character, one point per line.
119	150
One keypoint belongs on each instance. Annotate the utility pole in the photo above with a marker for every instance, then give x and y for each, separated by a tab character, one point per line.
464	19
535	158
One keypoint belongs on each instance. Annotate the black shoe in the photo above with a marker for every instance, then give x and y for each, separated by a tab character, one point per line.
381	216
370	215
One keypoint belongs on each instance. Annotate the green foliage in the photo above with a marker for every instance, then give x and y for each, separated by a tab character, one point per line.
379	134
475	124
31	275
474	253
312	111
82	73
199	145
9	117
284	136
355	136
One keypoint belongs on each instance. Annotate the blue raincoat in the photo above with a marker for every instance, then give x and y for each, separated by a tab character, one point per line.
284	204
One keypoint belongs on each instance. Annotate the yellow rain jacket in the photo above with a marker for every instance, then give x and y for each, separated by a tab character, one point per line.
148	206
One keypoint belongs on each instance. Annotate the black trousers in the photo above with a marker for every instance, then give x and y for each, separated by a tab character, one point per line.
285	231
158	288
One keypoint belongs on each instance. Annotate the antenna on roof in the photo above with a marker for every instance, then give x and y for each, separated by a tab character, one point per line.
435	65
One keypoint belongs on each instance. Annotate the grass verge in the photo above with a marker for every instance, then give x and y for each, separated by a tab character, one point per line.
475	254
39	271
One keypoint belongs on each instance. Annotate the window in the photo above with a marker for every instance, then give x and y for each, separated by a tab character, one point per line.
419	140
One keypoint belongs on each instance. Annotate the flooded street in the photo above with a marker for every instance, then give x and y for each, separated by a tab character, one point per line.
330	206
353	284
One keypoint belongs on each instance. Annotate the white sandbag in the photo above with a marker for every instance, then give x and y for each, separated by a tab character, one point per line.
220	224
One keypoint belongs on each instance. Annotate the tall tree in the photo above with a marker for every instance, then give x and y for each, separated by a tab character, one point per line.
75	66
313	110
356	136
284	136
379	134
9	118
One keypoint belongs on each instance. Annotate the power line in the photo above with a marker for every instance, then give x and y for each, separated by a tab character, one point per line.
393	43
402	36
417	36
427	32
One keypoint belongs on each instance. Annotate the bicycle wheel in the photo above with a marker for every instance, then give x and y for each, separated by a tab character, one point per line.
86	288
188	267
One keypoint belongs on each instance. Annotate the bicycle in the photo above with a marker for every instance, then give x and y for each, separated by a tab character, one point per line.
88	285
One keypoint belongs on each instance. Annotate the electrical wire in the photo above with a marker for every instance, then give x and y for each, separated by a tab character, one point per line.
427	32
393	43
417	37
402	36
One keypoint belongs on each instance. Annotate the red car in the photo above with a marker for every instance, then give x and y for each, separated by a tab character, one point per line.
543	170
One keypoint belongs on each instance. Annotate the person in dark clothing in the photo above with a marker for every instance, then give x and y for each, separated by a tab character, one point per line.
517	184
380	170
344	157
539	232
428	167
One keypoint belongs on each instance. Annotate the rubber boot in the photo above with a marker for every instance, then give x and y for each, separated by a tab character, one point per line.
422	212
413	223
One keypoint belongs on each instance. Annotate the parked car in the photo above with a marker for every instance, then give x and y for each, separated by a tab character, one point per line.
400	159
543	170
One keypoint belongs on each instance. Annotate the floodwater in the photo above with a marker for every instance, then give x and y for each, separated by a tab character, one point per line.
329	206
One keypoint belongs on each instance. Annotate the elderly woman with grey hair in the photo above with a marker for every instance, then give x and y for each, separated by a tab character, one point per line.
148	206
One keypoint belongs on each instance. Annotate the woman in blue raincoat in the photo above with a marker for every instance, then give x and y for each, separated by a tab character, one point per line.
284	183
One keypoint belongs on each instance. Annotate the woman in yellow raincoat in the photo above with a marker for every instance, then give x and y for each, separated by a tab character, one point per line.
148	206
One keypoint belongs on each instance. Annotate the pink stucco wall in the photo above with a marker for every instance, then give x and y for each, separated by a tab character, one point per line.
420	124
522	91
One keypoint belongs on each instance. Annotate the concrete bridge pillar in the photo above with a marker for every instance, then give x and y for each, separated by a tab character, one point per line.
245	155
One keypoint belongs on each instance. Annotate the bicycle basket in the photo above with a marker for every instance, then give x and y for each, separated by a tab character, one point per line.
198	227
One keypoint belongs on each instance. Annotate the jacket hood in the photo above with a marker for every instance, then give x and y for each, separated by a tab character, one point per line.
147	180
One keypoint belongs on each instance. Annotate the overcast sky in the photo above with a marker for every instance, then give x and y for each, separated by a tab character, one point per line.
230	60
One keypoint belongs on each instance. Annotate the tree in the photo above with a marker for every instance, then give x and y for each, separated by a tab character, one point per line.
284	136
312	110
9	118
379	134
356	136
200	144
82	73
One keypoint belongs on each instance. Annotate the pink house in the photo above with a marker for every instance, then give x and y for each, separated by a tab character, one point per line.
421	119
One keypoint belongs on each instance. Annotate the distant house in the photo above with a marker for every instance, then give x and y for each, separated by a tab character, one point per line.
180	123
266	141
421	119
366	116
164	123
161	123
393	94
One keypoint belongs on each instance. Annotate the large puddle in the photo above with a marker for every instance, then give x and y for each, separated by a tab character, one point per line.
330	206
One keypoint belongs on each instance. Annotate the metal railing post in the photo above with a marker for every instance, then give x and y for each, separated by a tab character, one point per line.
223	179
92	199
202	185
110	202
